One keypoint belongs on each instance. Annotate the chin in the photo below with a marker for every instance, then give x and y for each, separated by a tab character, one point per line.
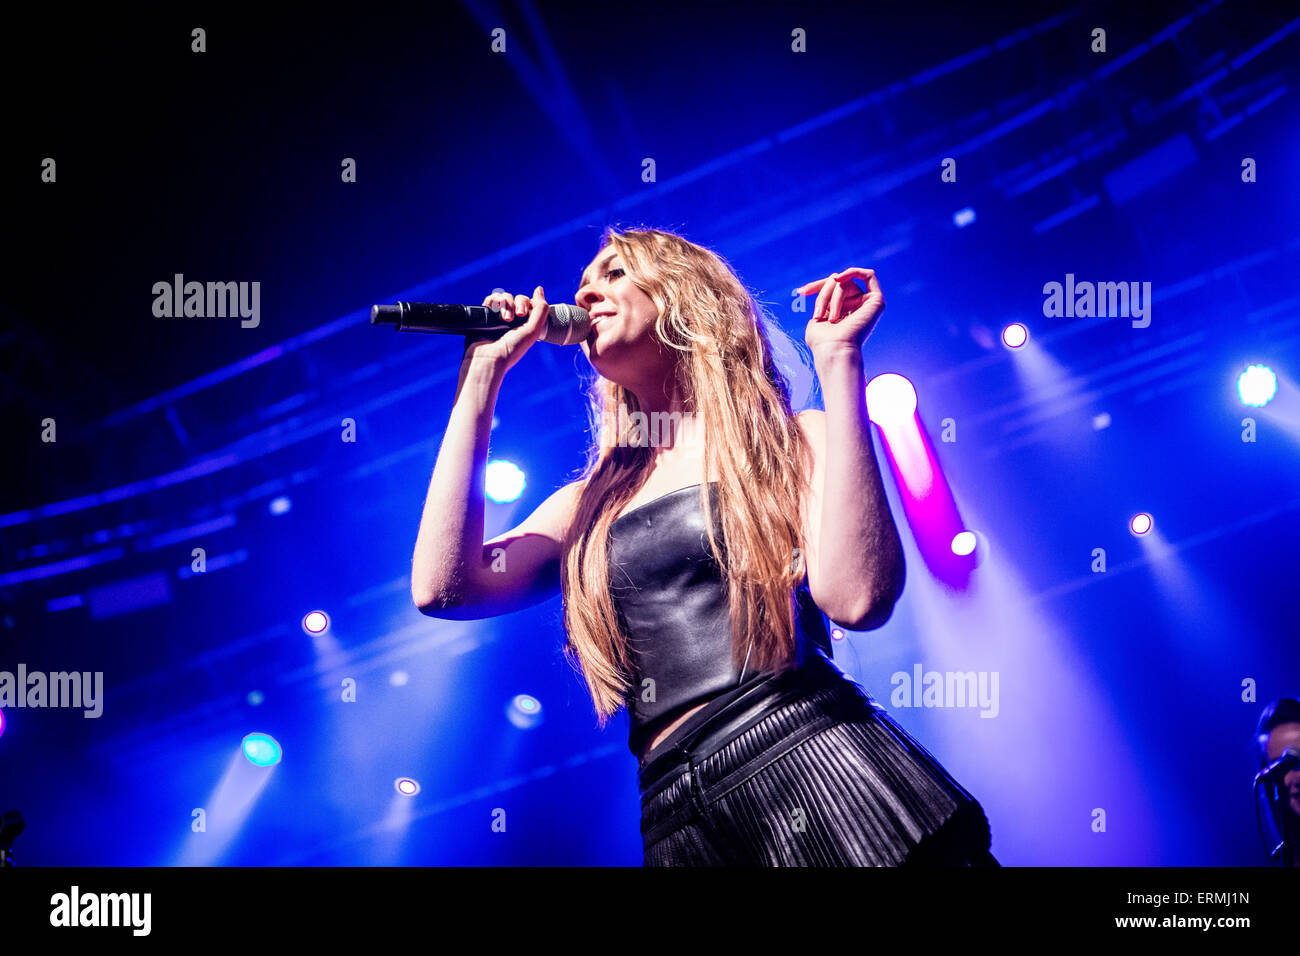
606	349
595	362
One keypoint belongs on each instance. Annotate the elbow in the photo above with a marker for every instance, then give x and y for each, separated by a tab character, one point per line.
872	613
436	592
424	603
447	606
442	610
433	603
866	619
876	616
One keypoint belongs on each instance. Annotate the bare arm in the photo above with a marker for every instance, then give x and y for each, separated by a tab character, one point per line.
448	547
855	568
454	574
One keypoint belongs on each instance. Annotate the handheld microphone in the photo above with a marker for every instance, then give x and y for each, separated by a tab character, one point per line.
565	324
1279	768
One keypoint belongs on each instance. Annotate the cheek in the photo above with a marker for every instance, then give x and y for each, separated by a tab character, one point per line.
643	307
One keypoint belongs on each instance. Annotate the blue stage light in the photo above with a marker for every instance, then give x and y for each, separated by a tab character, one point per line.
525	711
406	786
964	543
255	698
262	750
1140	523
505	482
280	505
1257	385
315	622
963	217
1015	335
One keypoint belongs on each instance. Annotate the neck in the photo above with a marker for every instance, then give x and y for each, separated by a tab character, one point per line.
661	396
664	402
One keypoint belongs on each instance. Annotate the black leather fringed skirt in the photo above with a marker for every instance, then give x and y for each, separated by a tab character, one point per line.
805	770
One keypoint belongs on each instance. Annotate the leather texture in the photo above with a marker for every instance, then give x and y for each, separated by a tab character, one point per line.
672	603
800	768
812	772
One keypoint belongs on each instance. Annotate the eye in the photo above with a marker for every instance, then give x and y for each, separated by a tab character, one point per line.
611	272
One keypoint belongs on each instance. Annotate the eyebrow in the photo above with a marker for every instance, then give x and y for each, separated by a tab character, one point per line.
582	280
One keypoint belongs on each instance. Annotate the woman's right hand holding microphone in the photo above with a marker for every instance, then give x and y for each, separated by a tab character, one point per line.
503	351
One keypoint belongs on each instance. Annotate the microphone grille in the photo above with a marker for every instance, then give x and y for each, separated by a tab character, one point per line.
567	324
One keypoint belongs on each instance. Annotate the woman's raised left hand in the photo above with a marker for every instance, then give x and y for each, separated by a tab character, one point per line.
843	315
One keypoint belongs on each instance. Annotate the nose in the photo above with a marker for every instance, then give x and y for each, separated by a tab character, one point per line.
586	296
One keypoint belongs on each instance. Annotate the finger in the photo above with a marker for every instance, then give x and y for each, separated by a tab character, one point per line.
540	307
868	276
837	301
522	305
823	297
873	286
809	287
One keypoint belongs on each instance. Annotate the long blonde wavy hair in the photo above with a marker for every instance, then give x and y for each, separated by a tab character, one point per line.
730	381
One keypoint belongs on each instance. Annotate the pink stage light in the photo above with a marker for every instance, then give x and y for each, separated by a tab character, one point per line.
890	399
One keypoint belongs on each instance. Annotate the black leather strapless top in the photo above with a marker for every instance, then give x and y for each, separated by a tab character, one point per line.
671	599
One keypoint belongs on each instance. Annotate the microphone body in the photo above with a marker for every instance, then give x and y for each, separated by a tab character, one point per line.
565	324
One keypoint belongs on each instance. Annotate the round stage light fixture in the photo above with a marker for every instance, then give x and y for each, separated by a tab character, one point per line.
315	622
504	481
524	711
1257	385
890	398
964	543
262	750
1015	335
